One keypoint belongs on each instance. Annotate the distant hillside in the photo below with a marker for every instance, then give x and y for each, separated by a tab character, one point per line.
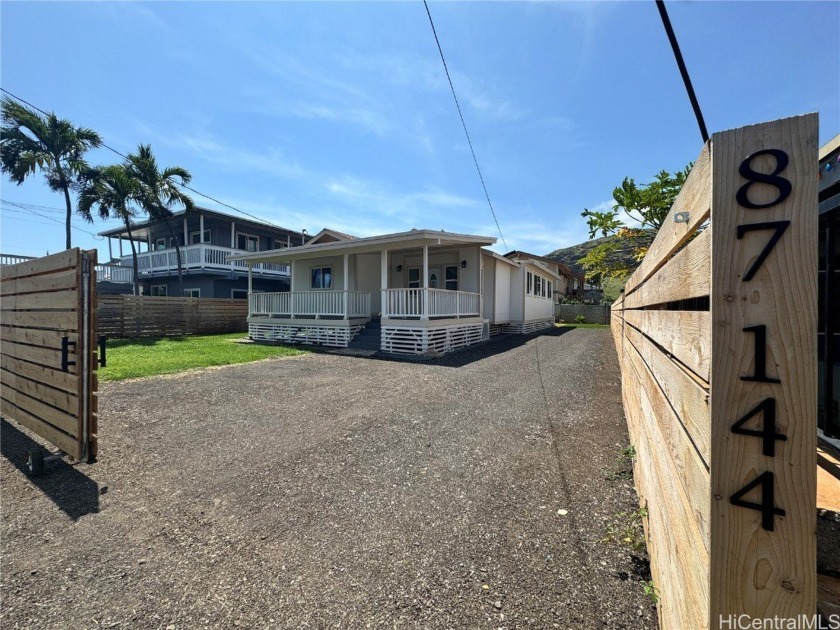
570	256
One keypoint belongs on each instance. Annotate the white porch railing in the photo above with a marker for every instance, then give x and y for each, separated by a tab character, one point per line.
114	273
200	257
408	303
346	304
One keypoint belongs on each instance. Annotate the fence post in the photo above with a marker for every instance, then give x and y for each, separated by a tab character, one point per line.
763	304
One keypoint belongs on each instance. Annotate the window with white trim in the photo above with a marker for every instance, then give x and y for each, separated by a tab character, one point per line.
247	242
321	277
159	290
195	237
192	292
414	277
160	243
530	285
451	278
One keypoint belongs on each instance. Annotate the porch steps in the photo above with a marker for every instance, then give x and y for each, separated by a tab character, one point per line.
369	338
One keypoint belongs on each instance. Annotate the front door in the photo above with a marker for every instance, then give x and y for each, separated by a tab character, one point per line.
435	278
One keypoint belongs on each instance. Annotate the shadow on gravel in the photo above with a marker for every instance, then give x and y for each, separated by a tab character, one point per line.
74	493
479	352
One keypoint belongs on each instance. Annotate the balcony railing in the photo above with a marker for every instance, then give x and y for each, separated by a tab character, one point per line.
114	273
409	303
201	257
310	304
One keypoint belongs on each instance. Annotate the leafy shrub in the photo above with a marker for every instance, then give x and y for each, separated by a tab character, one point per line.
580	319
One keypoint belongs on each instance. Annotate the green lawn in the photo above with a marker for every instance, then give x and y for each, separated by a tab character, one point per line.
130	358
573	325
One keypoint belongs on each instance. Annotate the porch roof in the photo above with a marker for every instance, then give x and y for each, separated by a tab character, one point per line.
370	244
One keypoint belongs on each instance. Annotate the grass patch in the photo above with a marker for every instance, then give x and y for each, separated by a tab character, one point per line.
132	358
572	325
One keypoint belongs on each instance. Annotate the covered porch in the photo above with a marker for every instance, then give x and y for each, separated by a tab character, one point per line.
406	282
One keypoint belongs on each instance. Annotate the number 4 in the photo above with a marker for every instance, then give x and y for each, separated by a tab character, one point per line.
766	507
778	226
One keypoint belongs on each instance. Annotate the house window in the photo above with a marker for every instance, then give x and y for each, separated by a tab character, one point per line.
160	243
247	242
549	289
414	277
321	278
537	287
451	278
530	289
192	292
239	294
195	237
159	290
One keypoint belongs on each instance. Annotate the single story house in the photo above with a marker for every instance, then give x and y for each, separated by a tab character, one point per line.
568	285
427	292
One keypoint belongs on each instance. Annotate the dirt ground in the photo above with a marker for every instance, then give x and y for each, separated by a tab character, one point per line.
335	491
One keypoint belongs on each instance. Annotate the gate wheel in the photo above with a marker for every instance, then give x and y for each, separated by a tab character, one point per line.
35	462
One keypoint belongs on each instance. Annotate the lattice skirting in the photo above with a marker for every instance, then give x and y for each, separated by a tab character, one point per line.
430	341
335	336
526	328
496	329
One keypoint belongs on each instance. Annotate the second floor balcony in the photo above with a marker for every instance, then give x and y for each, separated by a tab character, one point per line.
199	257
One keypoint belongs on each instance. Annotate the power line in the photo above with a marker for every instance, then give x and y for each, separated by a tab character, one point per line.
464	124
122	155
44	216
666	22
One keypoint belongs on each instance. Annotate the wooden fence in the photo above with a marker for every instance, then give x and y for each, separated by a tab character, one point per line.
716	335
48	355
146	316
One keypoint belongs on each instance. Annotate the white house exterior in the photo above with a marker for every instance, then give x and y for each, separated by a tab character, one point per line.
430	291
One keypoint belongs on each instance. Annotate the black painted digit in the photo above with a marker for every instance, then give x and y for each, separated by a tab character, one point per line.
767	506
760	356
778	226
780	183
767	433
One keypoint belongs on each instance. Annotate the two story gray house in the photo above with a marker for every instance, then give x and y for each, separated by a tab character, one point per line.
206	239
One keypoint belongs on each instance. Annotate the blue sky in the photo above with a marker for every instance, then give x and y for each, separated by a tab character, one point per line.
339	114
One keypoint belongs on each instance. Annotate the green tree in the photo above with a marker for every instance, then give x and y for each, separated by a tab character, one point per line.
30	141
647	205
113	189
160	192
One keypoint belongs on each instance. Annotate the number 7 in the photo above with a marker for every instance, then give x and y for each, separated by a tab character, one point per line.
778	226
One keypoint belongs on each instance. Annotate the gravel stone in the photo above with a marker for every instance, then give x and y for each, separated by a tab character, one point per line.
327	490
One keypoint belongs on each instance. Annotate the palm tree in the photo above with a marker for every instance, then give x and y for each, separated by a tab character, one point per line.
160	192
30	141
113	190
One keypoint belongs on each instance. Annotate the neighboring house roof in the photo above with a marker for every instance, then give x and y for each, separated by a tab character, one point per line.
138	230
402	240
540	266
328	236
520	255
499	257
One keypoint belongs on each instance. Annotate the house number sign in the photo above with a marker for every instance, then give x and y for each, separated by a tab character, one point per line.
768	433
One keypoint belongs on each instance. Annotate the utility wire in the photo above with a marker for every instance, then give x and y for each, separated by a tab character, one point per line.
464	124
53	219
666	22
122	155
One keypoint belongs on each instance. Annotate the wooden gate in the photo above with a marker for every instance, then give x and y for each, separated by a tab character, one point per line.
48	358
716	334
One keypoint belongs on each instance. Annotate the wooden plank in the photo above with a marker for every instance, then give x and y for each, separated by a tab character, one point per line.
66	381
65	442
65	300
686	275
51	320
694	198
32	336
62	400
49	357
59	419
755	571
685	334
54	281
679	557
684	394
37	266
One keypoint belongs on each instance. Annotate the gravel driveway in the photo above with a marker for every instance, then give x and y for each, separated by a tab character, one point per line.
326	490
